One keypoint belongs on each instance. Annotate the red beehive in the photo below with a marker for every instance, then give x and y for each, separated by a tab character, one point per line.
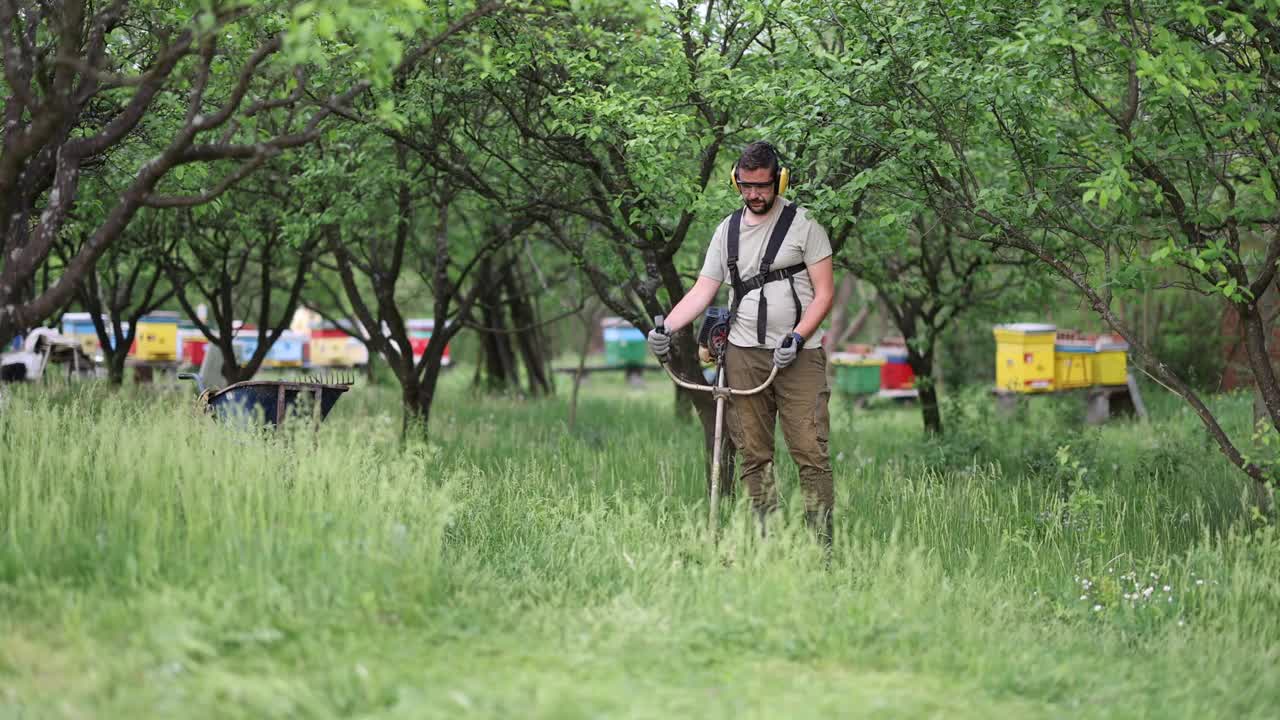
193	349
896	374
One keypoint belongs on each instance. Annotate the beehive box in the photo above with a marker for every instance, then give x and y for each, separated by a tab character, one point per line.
79	325
1073	361
624	344
157	337
1025	357
857	373
286	351
1110	361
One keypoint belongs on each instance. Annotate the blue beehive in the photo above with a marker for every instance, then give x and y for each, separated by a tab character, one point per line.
245	346
286	351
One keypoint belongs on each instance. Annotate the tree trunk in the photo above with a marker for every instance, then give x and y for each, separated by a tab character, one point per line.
1264	376
590	320
418	387
115	365
684	403
922	365
528	336
414	415
497	371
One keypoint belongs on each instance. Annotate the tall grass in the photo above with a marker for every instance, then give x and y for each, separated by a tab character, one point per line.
154	562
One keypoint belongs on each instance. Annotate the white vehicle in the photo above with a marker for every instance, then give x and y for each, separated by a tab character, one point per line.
42	347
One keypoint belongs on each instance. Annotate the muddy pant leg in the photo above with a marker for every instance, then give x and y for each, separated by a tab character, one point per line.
751	420
802	396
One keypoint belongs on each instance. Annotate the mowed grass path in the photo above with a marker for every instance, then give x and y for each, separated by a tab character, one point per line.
154	564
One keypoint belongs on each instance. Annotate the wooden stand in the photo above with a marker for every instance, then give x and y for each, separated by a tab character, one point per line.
1102	402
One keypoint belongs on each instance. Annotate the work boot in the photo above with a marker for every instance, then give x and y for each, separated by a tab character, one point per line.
822	524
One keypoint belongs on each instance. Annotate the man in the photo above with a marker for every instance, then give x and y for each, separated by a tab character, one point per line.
778	296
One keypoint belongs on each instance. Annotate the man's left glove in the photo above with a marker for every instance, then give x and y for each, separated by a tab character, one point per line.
785	353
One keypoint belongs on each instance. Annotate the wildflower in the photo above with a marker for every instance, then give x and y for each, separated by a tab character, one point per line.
1199	582
1166	588
1147	591
1084	597
1097	608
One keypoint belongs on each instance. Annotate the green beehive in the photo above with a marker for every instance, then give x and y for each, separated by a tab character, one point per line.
857	374
623	343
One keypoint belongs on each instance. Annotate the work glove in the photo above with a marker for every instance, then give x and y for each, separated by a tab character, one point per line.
785	353
660	340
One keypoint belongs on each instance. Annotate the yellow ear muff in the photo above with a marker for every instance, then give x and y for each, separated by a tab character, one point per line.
779	187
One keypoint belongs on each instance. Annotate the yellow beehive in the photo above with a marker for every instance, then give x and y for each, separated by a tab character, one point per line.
1072	369
157	339
1110	362
1073	360
329	351
1025	357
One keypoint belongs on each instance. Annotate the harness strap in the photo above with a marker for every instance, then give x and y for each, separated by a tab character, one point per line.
766	274
779	234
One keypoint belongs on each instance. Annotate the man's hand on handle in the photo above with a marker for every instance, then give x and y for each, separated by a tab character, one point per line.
660	340
785	353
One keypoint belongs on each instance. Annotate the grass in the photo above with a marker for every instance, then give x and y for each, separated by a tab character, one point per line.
155	564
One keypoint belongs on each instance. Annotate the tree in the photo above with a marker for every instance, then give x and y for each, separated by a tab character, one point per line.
623	130
1139	148
83	80
927	277
245	261
404	219
511	329
126	284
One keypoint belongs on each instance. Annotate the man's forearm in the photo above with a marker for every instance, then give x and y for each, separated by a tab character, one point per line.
814	314
693	303
824	293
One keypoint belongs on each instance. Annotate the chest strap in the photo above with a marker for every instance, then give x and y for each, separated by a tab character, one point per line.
766	275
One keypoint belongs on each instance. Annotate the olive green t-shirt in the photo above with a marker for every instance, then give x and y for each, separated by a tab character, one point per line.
806	242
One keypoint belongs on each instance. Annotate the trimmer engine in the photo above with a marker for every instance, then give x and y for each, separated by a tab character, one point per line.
714	333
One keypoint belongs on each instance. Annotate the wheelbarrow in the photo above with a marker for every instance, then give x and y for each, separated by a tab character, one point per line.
714	336
276	400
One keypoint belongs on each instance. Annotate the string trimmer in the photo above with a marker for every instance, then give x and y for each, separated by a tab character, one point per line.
714	336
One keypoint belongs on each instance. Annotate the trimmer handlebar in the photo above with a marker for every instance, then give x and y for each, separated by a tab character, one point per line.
661	327
712	388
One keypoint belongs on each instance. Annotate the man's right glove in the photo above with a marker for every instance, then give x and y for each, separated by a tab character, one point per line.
660	343
660	340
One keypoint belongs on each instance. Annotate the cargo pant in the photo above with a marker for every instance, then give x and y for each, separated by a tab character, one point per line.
798	398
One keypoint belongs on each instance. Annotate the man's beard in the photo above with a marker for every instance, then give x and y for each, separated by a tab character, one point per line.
768	205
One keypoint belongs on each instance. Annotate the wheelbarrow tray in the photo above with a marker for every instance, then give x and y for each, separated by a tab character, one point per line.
276	399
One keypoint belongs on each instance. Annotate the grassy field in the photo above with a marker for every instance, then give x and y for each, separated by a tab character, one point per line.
154	564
